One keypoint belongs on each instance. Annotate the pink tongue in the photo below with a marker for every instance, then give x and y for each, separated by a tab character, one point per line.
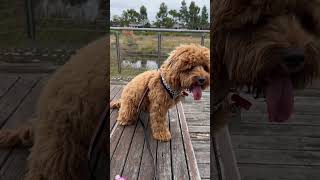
197	92
279	94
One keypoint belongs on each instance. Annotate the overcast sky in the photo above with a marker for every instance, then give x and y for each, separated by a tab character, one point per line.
117	6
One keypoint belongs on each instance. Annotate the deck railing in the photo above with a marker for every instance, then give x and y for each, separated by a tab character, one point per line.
160	34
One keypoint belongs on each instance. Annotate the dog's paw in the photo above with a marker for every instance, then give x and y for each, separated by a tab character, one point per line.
162	135
124	123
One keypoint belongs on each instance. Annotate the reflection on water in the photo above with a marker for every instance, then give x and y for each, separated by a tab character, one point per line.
149	64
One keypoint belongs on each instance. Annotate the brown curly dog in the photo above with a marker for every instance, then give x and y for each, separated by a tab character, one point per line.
270	46
67	113
187	68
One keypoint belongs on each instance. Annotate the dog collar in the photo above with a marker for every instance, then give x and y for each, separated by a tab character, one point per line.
174	94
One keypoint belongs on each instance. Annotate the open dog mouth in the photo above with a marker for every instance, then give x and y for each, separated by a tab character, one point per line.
196	91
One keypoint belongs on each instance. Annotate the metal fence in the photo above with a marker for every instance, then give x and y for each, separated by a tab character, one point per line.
22	24
130	46
28	34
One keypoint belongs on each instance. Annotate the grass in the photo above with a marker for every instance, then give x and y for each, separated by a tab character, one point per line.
145	44
50	32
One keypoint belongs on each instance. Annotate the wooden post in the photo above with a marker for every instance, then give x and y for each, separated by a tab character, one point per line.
30	19
118	52
202	39
159	48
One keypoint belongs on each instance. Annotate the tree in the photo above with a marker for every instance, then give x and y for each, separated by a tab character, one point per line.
143	19
194	18
175	15
204	18
184	14
116	20
162	19
129	16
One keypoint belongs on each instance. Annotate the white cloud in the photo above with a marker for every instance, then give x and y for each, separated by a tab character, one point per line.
117	6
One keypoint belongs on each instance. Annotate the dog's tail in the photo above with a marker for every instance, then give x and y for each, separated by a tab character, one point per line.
115	104
16	137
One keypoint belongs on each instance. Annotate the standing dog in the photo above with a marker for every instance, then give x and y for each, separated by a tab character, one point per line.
187	68
68	111
267	45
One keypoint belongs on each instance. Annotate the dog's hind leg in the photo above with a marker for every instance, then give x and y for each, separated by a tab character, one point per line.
115	104
57	159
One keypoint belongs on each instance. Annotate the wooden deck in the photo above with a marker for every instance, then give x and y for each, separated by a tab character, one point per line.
129	154
198	119
18	96
271	151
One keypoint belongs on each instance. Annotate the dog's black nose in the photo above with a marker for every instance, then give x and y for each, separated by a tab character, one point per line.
201	81
294	58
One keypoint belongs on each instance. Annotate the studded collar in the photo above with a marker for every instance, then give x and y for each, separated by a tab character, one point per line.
173	93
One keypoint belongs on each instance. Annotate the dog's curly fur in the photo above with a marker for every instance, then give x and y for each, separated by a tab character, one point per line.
68	110
248	41
180	71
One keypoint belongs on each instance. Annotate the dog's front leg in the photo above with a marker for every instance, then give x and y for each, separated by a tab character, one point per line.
159	123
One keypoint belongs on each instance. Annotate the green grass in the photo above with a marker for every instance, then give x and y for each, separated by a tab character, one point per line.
146	43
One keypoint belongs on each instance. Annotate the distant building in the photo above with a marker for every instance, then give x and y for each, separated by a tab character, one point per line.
177	26
136	25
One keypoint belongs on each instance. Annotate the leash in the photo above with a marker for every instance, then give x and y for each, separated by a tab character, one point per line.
146	137
96	143
95	147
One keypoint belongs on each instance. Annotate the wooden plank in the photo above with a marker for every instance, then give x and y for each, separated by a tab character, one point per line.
15	96
28	68
192	163
204	169
114	112
297	119
274	130
179	161
299	108
202	157
7	81
19	111
115	136
113	91
120	155
227	158
199	129
132	166
146	167
164	160
280	157
15	166
203	146
16	158
273	172
196	136
276	142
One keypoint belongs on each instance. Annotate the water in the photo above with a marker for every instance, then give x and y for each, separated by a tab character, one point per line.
149	65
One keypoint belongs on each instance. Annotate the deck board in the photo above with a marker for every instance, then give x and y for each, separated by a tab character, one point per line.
14	160
290	150
131	158
179	165
197	114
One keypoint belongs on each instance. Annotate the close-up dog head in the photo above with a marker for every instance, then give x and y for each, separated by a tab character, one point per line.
188	68
270	46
